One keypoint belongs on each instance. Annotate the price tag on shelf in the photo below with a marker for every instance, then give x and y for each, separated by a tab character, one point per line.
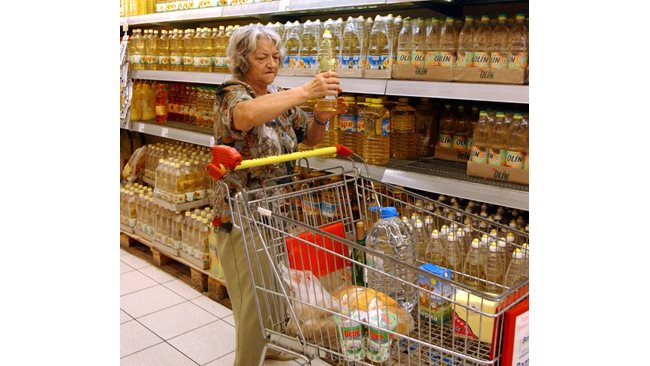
165	132
211	141
141	127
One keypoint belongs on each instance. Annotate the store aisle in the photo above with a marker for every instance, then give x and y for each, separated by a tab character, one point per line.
164	321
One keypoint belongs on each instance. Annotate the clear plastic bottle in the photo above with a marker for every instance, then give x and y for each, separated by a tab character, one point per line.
447	128
474	268
326	62
176	50
185	232
188	50
497	142
453	259
433	43
499	44
136	102
308	46
347	126
379	46
148	102
424	125
137	51
420	44
204	50
376	140
161	104
405	43
518	44
163	51
448	43
462	130
516	144
494	269
292	46
199	181
481	56
352	44
422	239
517	269
466	43
392	237
435	251
480	140
403	136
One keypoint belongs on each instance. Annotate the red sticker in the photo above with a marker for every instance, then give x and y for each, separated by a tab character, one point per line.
461	327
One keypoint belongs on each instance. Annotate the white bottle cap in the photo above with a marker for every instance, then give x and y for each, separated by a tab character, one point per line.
435	234
484	238
493	247
418	223
517	254
510	237
501	243
451	237
475	243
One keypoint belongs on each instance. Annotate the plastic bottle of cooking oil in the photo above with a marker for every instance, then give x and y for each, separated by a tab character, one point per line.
453	255
448	43
379	45
518	44
403	136
148	102
163	51
516	144
499	44
309	46
432	57
435	251
462	130
199	181
219	59
480	140
185	233
517	270
376	139
326	62
347	131
420	45
481	56
204	50
405	43
494	269
335	27
352	44
136	102
497	142
465	43
188	50
176	50
425	129
447	128
474	267
137	51
292	46
422	239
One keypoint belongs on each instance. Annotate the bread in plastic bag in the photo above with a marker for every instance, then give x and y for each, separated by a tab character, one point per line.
366	300
134	168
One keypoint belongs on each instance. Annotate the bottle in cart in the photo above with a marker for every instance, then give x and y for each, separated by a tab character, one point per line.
376	136
392	237
474	267
435	251
358	270
453	258
517	269
494	269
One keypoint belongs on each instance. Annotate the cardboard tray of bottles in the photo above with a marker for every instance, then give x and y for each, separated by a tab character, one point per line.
126	228
143	235
178	207
428	73
500	173
377	74
195	262
451	154
493	76
165	248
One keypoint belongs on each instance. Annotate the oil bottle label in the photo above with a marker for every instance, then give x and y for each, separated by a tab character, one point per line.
161	110
178	198
350	62
445	140
470	143
199	194
175	60
496	157
419	58
515	159
385	127
404	57
361	125
188	61
136	59
291	62
381	62
525	165
132	222
464	59
432	58
498	60
460	143
189	196
163	60
481	59
518	60
204	62
348	123
446	58
309	62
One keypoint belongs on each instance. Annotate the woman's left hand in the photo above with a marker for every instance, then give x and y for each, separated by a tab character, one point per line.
322	116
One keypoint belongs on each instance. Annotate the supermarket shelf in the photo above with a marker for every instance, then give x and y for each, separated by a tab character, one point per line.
455	90
174	16
433	175
374	171
255	9
181	76
174	131
431	89
330	4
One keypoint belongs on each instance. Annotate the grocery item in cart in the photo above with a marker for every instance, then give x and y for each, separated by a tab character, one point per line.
379	340
304	253
494	269
351	336
436	309
471	316
396	240
517	270
368	300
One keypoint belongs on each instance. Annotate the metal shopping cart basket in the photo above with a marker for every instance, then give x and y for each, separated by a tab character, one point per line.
312	300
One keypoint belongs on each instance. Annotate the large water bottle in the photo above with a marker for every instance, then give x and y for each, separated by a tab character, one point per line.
396	240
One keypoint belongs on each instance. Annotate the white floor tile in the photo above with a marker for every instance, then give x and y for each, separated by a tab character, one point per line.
212	306
134	337
206	343
149	300
159	355
134	281
125	268
157	274
230	320
122	252
177	320
124	317
227	360
183	289
134	261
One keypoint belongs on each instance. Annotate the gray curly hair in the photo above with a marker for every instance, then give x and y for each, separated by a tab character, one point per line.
243	41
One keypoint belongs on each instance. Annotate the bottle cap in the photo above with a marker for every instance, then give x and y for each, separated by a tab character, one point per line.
451	237
483	113
435	234
493	232
460	232
484	238
386	212
475	243
418	223
493	247
510	237
517	254
327	34
502	242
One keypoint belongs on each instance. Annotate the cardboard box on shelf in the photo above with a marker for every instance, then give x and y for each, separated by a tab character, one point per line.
377	74
428	73
349	73
493	76
451	154
502	173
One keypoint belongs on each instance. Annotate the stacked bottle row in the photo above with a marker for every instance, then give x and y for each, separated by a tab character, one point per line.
179	173
141	7
178	102
200	49
500	140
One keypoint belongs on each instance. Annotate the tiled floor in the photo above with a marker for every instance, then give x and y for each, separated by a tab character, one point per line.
164	321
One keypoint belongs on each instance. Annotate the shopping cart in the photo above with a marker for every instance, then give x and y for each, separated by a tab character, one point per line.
309	302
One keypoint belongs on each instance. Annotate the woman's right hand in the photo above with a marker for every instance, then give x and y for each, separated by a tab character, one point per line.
325	83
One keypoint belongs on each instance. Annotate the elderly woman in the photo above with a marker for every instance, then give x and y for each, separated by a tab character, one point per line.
260	119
